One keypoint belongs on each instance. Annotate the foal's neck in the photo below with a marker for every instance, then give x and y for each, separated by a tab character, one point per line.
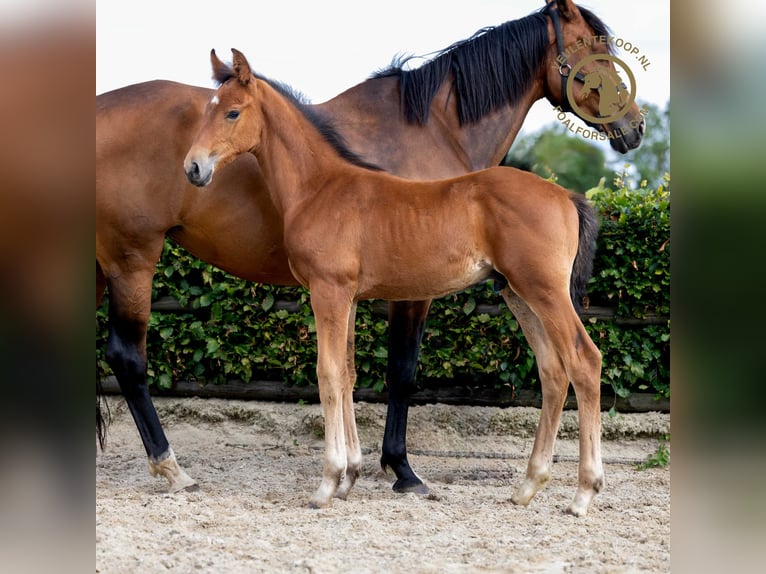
294	156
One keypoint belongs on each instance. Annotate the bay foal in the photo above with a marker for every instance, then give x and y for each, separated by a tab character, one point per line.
457	112
353	233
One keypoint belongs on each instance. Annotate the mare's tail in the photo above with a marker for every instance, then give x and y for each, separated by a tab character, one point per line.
102	419
586	248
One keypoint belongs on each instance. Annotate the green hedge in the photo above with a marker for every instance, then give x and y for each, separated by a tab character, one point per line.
236	330
632	273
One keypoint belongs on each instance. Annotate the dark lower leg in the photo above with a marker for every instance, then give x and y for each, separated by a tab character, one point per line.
129	366
406	325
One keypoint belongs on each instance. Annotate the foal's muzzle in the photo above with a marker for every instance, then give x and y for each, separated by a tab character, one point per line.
196	174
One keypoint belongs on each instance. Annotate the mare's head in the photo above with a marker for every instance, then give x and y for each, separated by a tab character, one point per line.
230	125
579	54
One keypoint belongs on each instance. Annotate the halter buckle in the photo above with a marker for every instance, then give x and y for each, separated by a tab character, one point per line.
566	67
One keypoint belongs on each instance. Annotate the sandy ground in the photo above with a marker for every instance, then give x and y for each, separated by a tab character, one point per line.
257	464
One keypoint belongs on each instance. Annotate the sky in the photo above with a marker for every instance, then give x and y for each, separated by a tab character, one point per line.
322	48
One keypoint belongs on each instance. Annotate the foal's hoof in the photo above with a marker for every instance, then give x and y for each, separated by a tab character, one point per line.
342	494
579	506
181	482
405	486
577	511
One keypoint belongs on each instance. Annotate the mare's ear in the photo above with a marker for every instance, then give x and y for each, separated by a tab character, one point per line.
241	67
221	72
567	9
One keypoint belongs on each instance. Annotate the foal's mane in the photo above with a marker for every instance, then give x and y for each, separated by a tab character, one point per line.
491	69
324	126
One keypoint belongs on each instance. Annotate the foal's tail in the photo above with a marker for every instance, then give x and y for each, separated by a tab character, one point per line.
586	248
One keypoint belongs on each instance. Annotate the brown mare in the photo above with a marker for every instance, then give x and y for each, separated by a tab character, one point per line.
457	113
354	233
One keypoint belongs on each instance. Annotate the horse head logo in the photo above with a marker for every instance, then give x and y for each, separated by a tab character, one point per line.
615	98
613	93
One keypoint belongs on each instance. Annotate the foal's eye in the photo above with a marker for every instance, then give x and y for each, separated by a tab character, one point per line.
232	115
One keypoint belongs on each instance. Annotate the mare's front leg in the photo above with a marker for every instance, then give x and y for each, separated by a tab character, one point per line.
129	307
406	323
332	309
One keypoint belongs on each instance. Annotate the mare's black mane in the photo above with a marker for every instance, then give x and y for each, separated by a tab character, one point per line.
491	69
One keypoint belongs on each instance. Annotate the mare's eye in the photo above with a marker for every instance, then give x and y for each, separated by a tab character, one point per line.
232	115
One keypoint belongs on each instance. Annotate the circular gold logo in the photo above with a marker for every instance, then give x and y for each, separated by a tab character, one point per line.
614	98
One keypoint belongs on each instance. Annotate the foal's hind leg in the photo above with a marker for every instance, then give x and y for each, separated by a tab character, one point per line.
554	385
566	339
353	448
583	365
129	307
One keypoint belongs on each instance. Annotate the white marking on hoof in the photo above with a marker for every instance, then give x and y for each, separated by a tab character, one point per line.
346	484
583	497
167	466
531	486
576	509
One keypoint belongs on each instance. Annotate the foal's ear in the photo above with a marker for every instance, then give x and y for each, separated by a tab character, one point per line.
241	67
221	72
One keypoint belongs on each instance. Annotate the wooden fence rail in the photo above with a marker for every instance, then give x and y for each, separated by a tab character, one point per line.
445	392
171	305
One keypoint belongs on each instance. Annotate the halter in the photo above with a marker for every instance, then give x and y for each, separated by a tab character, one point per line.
565	67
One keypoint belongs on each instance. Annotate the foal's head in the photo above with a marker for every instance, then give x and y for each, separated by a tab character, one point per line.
232	120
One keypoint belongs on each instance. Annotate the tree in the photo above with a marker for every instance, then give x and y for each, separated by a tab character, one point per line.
577	163
651	160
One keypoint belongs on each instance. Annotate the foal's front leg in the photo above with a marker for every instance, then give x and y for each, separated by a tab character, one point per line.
353	448
332	308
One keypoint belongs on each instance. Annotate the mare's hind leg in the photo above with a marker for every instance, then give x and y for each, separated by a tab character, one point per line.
100	284
406	322
353	448
102	420
554	385
129	307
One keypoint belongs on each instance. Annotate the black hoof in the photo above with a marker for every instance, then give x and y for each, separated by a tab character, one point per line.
404	486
